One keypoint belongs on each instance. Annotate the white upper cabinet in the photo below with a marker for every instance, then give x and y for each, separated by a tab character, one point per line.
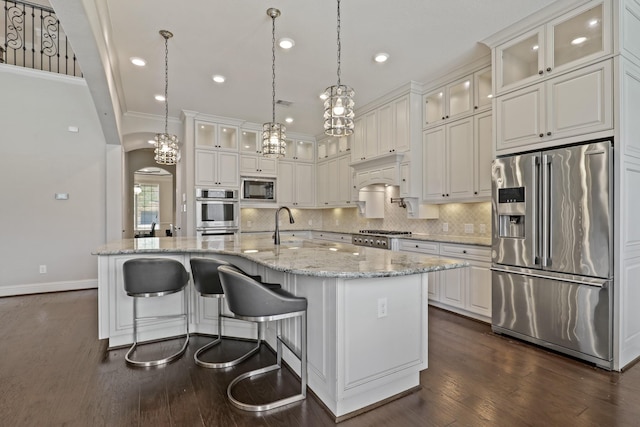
333	146
250	142
300	150
218	136
573	39
216	169
576	103
384	130
296	184
449	102
482	89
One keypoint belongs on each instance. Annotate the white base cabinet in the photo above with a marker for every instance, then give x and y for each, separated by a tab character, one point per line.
466	291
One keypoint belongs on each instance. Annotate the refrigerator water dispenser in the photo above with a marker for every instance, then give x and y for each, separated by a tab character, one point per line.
511	212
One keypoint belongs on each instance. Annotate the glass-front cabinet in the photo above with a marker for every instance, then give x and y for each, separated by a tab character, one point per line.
449	102
249	142
214	135
333	146
483	90
575	38
300	150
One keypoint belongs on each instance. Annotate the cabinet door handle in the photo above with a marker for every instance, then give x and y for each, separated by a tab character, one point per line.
548	133
475	192
541	72
464	251
404	180
541	135
417	246
475	107
548	69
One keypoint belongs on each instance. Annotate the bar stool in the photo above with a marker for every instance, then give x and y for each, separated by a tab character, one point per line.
249	300
155	277
207	282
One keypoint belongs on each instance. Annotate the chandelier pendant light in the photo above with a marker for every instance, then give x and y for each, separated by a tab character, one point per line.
273	134
338	102
167	151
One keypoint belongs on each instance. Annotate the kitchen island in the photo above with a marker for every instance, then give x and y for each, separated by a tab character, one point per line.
367	308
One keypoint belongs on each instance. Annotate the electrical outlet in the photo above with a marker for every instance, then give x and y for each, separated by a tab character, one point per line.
310	222
43	269
382	307
468	228
249	224
445	226
337	222
482	228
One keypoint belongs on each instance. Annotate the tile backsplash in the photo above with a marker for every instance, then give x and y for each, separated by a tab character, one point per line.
461	219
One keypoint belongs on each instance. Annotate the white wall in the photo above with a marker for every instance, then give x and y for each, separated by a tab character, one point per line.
41	158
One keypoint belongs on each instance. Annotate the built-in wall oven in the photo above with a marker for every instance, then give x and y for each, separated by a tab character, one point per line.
217	211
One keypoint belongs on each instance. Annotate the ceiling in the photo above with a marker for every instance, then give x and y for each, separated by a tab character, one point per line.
424	38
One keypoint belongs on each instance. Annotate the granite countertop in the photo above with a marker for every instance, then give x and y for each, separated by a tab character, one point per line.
297	256
440	238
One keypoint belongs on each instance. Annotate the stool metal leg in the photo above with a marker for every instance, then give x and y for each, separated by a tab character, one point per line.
169	358
303	374
218	365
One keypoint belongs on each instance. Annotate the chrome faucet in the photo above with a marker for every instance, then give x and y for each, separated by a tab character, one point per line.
276	234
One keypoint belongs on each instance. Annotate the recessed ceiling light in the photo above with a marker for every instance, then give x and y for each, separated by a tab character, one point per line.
289	120
286	43
578	40
138	61
218	78
490	95
535	47
159	98
151	141
323	96
594	22
381	57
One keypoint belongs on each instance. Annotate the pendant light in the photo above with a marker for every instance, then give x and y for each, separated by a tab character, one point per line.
338	102
273	134
167	151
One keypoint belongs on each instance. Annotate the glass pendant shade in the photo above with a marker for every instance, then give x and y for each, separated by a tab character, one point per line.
338	102
338	110
167	151
273	139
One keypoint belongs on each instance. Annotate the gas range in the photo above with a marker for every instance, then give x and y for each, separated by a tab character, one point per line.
383	239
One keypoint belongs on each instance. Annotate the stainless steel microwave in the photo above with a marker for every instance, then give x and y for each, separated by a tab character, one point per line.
259	189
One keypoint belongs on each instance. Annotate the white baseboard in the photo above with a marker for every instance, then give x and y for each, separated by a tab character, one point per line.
38	288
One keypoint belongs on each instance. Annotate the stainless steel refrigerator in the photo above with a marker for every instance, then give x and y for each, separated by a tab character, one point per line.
552	249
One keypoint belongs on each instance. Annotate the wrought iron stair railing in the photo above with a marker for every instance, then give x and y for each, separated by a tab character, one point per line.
34	38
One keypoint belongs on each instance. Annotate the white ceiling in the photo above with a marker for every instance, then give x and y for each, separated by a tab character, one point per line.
425	39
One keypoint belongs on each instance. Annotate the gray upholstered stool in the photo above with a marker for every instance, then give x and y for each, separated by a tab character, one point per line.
249	300
155	277
207	282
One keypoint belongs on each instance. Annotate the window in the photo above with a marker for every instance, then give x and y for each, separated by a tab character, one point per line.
147	205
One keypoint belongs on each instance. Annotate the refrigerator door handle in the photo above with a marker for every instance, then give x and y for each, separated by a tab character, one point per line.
546	210
604	283
535	247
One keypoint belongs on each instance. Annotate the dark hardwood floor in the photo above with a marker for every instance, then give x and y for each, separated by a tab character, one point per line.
54	371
